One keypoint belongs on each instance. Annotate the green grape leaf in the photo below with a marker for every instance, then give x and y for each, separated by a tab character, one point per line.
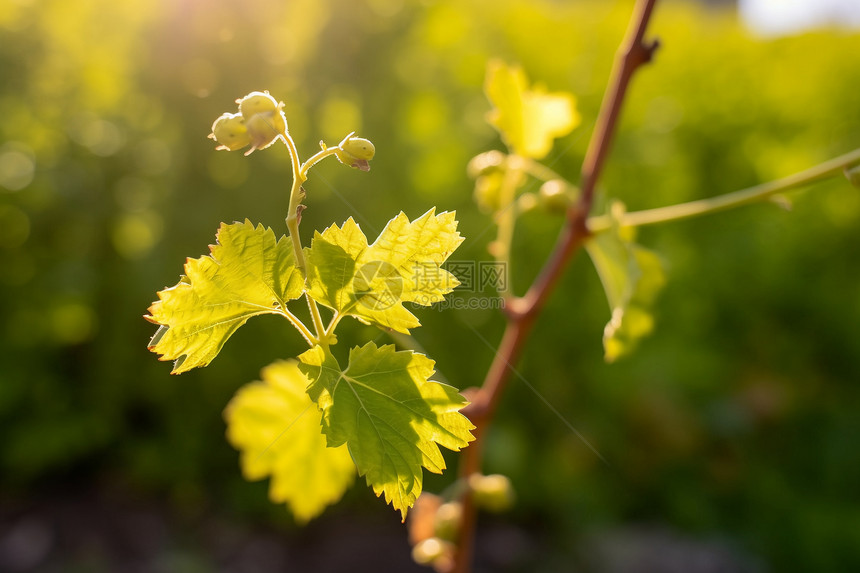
528	119
248	273
390	415
275	426
632	276
371	282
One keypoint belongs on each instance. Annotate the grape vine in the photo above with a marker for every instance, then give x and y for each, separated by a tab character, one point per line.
381	415
376	411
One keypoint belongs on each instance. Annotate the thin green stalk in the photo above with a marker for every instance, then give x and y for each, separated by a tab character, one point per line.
316	158
540	171
506	219
322	154
295	201
322	337
300	326
730	200
296	195
335	320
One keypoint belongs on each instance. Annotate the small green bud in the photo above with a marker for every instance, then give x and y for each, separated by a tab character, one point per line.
448	518
493	492
264	128
355	152
257	102
488	191
853	175
431	551
230	131
556	196
485	163
527	202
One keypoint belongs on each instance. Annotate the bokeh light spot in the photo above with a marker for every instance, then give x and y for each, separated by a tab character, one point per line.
134	235
72	323
100	136
446	25
17	166
425	115
152	156
338	115
437	174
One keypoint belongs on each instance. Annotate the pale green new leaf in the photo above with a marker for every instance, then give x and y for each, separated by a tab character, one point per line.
528	119
390	415
276	427
371	282
248	273
632	276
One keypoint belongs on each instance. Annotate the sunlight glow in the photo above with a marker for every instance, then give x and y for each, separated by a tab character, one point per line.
784	17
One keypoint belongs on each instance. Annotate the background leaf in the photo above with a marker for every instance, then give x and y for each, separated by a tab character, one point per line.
528	119
632	276
276	427
389	413
248	273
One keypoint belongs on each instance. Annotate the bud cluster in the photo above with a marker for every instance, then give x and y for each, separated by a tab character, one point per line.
489	170
259	122
435	523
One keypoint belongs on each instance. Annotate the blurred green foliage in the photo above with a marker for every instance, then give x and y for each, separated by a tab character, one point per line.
738	419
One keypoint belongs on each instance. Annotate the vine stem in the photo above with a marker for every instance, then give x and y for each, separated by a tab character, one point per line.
522	312
299	325
300	175
295	200
729	200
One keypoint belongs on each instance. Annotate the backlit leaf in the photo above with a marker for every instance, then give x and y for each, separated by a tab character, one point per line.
390	415
371	282
248	273
528	119
277	429
632	276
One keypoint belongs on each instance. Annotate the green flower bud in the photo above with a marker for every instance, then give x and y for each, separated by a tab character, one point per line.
230	131
556	195
485	163
431	551
448	518
493	492
264	128
527	202
257	102
488	189
355	152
